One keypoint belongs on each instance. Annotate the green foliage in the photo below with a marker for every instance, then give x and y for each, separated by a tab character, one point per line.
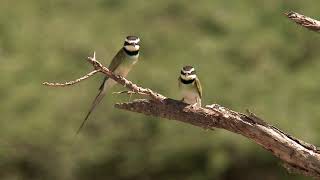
247	55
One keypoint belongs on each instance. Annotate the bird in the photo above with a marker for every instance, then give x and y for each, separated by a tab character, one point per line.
190	86
121	64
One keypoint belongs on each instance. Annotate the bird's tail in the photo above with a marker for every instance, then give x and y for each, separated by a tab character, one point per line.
96	101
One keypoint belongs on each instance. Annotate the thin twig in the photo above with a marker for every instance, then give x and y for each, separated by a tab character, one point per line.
124	92
69	83
129	92
304	21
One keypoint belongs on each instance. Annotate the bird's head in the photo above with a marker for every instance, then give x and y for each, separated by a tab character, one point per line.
132	43
188	73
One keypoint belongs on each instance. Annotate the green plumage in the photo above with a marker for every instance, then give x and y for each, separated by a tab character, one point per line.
121	64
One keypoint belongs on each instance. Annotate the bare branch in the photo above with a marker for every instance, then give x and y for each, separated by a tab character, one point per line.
301	157
304	21
119	79
57	84
297	155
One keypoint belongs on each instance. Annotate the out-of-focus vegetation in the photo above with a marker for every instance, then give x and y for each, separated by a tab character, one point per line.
247	55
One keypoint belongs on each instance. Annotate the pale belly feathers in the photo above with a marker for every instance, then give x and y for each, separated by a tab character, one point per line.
190	94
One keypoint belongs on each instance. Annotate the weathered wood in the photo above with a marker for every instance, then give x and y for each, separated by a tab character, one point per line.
300	156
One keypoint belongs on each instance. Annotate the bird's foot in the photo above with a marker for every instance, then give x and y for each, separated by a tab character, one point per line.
195	105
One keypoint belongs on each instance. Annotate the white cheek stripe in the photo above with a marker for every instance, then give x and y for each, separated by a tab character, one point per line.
133	41
132	48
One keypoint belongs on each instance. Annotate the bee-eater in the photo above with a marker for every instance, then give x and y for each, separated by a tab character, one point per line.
121	64
190	87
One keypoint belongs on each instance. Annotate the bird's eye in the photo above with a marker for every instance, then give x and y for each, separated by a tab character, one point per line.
183	73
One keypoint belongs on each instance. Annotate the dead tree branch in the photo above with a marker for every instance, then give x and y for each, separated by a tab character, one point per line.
297	156
56	84
304	21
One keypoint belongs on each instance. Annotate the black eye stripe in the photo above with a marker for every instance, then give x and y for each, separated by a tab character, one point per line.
183	73
126	43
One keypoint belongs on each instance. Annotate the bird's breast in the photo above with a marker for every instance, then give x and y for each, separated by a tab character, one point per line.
189	89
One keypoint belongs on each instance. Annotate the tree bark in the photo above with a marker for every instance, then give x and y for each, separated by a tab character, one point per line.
297	155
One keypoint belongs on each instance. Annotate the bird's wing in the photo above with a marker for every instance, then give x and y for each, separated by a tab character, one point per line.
199	88
179	82
118	59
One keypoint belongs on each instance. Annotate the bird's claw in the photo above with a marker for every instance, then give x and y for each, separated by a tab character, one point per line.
195	105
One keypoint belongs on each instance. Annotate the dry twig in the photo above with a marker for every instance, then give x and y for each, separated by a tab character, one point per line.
69	83
304	21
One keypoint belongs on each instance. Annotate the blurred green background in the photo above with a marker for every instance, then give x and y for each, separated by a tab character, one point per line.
247	55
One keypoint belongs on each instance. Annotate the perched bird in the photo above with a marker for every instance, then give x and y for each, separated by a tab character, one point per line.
190	86
121	64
